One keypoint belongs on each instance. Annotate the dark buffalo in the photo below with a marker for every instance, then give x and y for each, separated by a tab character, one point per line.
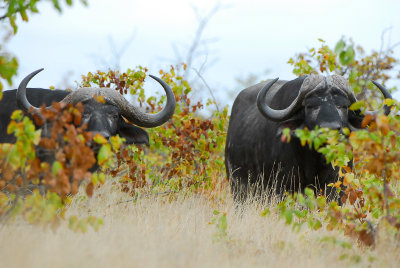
256	160
106	118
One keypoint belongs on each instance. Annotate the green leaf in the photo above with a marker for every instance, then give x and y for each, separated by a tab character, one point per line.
56	167
356	105
288	216
348	56
301	214
13	24
82	225
321	202
24	16
339	46
104	153
309	192
301	200
222	223
266	212
389	102
56	5
116	142
315	224
17	115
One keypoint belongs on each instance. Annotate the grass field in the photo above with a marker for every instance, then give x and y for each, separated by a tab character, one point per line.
176	231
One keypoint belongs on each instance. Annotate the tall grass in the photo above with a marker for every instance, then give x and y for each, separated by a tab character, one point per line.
181	230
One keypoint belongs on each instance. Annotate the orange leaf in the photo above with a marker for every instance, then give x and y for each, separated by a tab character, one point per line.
366	237
89	189
99	98
367	119
383	124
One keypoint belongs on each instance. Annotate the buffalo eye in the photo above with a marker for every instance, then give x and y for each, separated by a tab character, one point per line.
113	115
341	102
312	107
312	104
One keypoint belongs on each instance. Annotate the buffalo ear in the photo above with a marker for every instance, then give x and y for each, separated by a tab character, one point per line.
134	134
355	118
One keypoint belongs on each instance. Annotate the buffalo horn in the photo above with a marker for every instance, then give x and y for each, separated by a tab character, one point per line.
386	95
22	100
311	82
130	112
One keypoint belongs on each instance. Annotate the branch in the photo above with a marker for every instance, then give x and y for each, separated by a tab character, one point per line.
16	11
209	89
119	52
6	215
383	41
394	46
4	16
197	39
116	53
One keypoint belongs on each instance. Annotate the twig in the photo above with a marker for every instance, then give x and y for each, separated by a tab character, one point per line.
383	41
116	53
394	46
6	215
4	16
119	52
209	89
203	21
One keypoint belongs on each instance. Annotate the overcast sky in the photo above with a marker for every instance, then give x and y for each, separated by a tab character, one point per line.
243	36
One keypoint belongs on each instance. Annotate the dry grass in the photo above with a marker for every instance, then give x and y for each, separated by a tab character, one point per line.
172	231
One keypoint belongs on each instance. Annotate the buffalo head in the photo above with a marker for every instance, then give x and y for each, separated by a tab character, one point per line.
108	119
321	101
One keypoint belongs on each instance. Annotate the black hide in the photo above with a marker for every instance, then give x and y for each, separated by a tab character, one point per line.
255	157
100	118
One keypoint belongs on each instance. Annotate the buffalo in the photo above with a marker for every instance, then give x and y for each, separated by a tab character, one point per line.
107	119
256	160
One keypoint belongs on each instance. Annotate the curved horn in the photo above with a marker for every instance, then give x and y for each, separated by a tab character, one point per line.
385	94
130	112
343	84
22	100
142	119
309	83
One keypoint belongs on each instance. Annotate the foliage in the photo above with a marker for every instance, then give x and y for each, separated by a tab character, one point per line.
350	61
221	225
368	159
9	63
23	7
8	69
22	171
185	152
52	161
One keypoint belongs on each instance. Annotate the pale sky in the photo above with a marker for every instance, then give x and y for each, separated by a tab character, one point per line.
244	36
